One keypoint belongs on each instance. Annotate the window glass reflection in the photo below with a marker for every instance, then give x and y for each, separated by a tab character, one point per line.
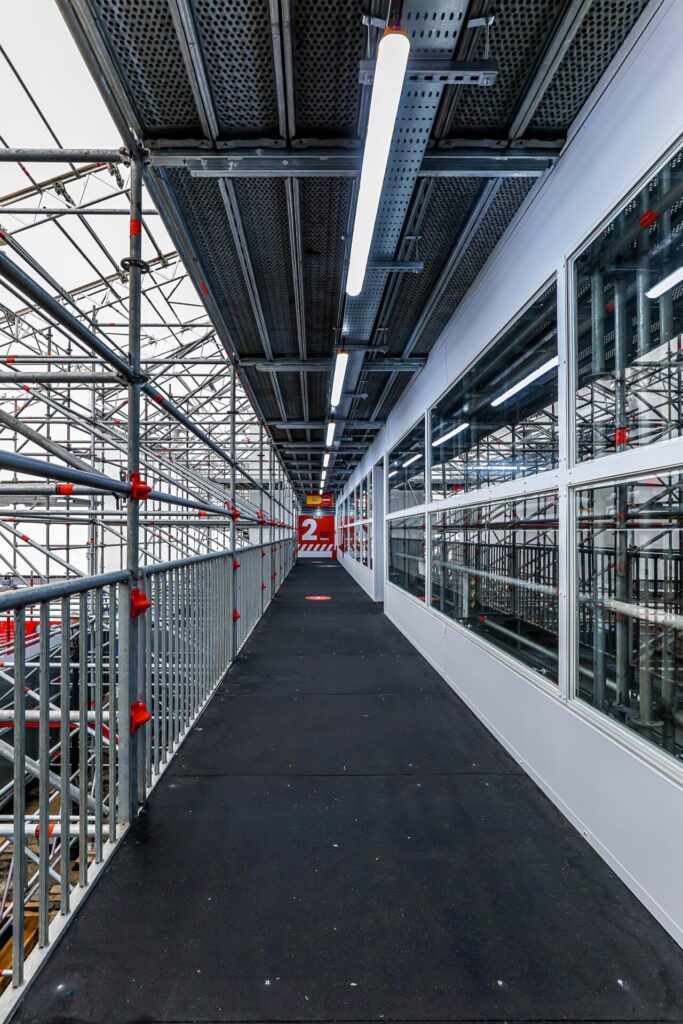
495	570
630	605
406	470
628	313
499	420
407	554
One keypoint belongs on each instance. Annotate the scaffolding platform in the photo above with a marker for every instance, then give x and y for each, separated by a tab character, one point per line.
340	839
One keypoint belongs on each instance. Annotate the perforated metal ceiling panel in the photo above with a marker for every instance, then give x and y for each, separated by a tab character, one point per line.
517	37
507	201
328	42
144	46
263	205
449	203
324	216
202	207
235	37
602	32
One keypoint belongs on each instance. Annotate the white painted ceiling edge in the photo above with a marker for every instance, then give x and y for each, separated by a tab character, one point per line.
630	120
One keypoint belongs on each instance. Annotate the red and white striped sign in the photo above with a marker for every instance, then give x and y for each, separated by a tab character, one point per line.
316	536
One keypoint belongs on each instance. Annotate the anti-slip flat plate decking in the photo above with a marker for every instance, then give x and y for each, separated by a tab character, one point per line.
340	840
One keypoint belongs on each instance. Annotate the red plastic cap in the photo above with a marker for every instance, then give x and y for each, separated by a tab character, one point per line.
235	564
139	489
139	602
139	716
65	488
235	615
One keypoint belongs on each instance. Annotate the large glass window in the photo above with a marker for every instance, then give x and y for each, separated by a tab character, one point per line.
356	530
407	554
406	470
499	420
628	318
494	569
630	605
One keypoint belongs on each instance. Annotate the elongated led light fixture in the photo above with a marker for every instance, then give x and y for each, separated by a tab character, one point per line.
411	460
331	426
451	433
326	459
392	58
666	284
341	360
393	473
529	379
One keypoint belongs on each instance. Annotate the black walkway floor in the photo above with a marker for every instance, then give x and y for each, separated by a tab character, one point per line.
341	840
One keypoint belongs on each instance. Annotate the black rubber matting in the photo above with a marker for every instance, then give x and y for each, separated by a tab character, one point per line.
352	846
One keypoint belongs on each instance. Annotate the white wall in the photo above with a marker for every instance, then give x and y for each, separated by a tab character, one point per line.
626	798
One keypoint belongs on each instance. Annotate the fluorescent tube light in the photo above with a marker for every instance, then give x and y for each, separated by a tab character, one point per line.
341	360
411	460
392	57
331	427
666	284
529	379
326	459
449	435
393	473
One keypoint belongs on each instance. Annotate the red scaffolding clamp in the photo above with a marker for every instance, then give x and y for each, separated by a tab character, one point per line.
139	490
139	602
621	435
65	488
139	716
202	513
235	615
235	564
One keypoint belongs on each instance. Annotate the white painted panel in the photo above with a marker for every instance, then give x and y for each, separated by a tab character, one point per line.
426	632
361	574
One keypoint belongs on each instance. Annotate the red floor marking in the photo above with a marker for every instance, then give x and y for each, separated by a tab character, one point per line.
318	597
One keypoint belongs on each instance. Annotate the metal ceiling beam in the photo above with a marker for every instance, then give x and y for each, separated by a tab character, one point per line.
457	161
322	424
283	365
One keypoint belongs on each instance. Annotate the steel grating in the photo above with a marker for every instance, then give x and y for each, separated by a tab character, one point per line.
519	33
263	205
602	32
145	48
509	198
202	207
324	216
235	36
328	41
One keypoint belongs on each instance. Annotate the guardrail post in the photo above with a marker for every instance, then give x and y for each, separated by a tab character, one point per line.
131	749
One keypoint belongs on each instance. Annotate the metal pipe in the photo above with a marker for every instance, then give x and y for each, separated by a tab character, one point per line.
64	156
38	438
7	379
